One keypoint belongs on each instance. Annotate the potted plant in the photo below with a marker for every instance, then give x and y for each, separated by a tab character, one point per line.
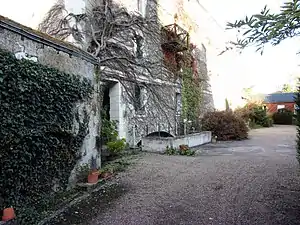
93	177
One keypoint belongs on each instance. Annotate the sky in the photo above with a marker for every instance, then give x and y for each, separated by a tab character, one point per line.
236	71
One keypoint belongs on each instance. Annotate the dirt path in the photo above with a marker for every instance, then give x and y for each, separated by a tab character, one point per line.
256	181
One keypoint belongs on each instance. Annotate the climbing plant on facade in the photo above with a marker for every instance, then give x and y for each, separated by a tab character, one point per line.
38	149
191	95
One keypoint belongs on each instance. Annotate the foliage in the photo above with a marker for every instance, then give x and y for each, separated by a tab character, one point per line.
183	150
37	148
109	129
243	112
170	151
255	114
227	105
297	100
259	115
117	146
82	172
266	27
115	166
225	125
283	116
287	88
191	95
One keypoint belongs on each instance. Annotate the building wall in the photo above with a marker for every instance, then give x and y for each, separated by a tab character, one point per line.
272	107
133	125
24	42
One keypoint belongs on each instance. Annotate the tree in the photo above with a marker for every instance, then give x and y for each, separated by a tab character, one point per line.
266	27
286	88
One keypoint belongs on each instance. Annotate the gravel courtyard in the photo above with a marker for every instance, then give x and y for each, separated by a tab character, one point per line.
256	181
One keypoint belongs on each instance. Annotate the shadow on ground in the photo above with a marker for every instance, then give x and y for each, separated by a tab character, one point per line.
97	202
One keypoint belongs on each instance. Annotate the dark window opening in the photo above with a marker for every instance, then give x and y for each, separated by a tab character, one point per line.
137	98
106	103
139	46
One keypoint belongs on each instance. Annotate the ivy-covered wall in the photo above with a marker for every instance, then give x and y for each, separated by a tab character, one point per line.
38	146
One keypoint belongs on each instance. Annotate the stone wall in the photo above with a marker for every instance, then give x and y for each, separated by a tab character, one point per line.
26	43
160	144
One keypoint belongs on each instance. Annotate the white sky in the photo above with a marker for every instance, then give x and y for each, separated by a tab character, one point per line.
237	71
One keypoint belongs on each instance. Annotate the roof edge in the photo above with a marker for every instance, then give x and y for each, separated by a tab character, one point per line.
46	39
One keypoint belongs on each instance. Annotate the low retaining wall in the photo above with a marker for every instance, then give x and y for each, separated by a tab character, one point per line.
159	144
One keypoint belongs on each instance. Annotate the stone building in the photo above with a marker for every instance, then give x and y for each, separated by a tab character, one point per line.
135	105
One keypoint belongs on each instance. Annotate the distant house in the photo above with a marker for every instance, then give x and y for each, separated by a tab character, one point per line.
277	101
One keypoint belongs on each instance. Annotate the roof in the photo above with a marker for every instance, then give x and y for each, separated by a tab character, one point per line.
46	39
279	97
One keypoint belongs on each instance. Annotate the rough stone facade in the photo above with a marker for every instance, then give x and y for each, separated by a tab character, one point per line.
158	113
31	45
163	114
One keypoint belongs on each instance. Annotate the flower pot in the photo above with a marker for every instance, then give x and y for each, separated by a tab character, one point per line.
93	178
95	172
8	214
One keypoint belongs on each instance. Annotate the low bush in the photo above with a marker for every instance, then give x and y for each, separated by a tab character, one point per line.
182	150
117	146
225	125
255	114
283	116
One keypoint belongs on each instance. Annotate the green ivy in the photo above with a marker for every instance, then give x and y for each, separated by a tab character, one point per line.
191	95
36	142
297	122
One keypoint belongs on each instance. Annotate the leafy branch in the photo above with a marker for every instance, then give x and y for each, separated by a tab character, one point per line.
266	27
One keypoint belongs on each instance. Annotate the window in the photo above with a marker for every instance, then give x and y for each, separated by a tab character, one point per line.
178	103
280	107
137	98
138	48
142	6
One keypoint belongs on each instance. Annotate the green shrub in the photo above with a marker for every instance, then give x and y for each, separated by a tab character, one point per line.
256	114
170	151
283	116
117	146
37	146
225	125
183	150
108	128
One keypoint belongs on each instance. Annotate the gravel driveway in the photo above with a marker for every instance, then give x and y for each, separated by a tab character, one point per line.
256	181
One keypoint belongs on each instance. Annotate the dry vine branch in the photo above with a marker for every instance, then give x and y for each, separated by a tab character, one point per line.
116	36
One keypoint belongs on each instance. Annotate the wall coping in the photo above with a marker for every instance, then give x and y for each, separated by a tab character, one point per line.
40	37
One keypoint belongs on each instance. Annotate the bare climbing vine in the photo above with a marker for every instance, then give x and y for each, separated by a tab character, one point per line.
128	48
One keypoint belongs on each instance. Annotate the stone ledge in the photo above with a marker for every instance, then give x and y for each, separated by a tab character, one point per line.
159	144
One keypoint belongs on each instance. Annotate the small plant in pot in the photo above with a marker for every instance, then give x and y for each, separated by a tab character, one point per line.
93	177
94	173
